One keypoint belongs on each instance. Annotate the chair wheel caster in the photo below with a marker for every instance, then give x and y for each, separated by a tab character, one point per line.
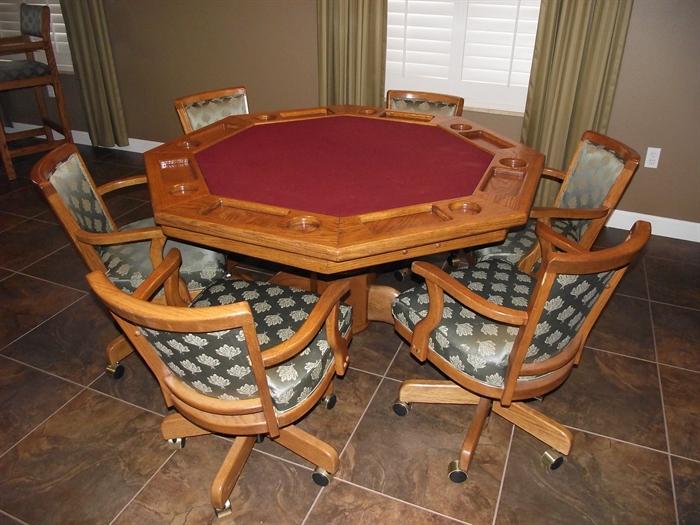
456	474
177	442
225	511
329	401
552	459
260	438
321	477
401	408
402	275
115	370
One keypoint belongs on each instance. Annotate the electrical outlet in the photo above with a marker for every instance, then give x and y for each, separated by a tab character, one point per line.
652	158
50	91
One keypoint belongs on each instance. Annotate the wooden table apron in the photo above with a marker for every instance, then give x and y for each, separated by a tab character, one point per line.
357	240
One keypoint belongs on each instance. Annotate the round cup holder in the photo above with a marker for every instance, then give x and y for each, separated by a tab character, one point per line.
266	116
188	144
513	163
367	111
461	127
182	189
304	223
469	208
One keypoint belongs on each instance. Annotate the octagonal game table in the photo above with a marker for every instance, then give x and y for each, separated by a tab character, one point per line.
338	190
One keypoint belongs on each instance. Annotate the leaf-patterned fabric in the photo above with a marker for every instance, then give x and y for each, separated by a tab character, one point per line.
479	346
217	364
416	105
593	176
206	112
30	19
21	69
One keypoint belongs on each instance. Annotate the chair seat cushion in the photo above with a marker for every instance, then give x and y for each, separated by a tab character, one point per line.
129	264
217	363
520	241
21	69
471	343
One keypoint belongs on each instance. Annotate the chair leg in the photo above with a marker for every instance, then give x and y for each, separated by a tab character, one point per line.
229	472
474	433
117	350
537	424
6	156
62	113
309	447
43	112
431	391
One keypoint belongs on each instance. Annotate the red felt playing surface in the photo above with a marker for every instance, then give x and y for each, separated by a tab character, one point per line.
343	165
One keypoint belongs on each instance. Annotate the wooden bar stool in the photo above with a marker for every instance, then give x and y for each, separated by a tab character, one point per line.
30	73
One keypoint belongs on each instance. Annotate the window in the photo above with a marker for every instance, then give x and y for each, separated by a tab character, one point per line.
480	50
9	26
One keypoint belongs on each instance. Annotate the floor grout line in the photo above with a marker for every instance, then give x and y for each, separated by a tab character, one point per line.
43	257
503	476
11	516
20	272
650	361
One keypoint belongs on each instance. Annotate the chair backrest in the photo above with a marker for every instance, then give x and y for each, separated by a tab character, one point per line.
571	291
201	109
597	176
424	102
34	20
67	185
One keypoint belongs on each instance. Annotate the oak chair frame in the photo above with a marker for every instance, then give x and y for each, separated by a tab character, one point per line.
24	44
182	103
505	401
198	414
426	95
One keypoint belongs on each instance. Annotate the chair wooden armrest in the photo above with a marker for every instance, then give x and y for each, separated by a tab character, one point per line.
467	297
330	298
121	183
11	46
122	237
545	233
553	173
568	213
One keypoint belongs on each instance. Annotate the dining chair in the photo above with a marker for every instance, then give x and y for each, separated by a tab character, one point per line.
424	102
243	359
503	336
201	109
125	255
29	72
591	187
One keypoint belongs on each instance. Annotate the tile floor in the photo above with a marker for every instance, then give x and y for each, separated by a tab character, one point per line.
77	446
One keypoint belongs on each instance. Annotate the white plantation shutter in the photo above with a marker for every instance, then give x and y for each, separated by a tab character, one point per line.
9	26
480	50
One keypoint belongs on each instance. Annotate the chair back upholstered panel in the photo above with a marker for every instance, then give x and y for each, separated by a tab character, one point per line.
80	196
201	109
30	20
422	102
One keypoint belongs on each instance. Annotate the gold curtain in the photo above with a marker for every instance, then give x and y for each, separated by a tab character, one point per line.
91	50
578	52
351	51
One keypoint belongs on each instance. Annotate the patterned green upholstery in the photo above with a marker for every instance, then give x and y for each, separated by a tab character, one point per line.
417	105
217	364
30	19
479	346
206	112
21	69
127	264
593	176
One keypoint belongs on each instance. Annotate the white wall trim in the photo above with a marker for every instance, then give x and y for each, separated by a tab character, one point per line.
663	226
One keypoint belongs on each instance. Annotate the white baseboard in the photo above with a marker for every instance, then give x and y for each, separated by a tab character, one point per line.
663	226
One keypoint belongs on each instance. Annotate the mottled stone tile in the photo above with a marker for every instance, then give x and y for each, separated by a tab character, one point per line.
601	481
71	344
268	491
673	282
127	158
610	237
333	426
137	386
342	503
405	366
676	249
144	211
29	241
373	349
686	475
27	397
407	457
119	204
103	171
4	274
677	332
26	302
83	464
8	221
64	266
611	395
681	394
634	283
26	201
624	327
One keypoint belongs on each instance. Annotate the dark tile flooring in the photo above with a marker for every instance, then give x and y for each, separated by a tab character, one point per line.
77	446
